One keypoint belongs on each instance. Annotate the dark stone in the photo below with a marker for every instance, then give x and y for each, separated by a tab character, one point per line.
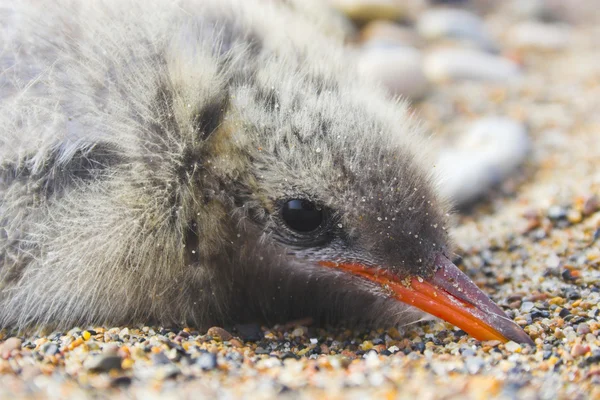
420	347
537	313
121	381
574	295
563	313
249	332
566	275
593	359
103	363
287	355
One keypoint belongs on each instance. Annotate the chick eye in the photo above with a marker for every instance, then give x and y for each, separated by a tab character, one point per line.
301	215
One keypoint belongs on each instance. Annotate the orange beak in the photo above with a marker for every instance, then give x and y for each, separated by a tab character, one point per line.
449	294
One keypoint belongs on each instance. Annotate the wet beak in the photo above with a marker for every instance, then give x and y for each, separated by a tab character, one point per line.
448	294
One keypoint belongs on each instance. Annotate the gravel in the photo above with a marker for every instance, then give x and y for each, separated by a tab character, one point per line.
533	244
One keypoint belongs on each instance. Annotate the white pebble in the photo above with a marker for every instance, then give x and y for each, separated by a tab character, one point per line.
386	33
539	36
474	364
457	64
486	155
444	23
512	346
527	306
398	68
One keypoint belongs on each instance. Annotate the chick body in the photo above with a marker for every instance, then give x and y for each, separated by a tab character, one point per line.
147	146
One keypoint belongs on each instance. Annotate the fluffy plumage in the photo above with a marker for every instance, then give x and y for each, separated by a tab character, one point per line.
145	150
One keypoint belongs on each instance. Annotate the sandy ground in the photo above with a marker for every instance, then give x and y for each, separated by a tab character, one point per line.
533	244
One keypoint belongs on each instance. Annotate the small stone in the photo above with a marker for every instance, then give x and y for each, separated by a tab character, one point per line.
207	361
474	364
50	349
539	36
462	64
399	69
557	212
512	346
249	332
491	150
591	205
86	335
298	332
110	349
220	333
103	363
9	345
531	9
236	343
583	329
452	23
527	306
579	350
574	216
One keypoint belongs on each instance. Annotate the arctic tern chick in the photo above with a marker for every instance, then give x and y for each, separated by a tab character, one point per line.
210	162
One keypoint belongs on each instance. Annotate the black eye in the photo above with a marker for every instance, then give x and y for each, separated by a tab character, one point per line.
302	215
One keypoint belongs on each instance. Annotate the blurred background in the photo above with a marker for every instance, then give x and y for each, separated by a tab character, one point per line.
503	87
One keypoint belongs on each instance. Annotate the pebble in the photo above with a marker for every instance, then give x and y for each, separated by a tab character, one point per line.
531	9
103	363
160	359
583	329
50	349
453	23
249	332
386	33
474	364
531	35
207	361
220	333
591	205
527	306
448	64
399	69
489	151
512	346
8	346
368	10
579	350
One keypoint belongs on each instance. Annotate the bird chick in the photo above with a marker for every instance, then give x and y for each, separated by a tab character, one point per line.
208	162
